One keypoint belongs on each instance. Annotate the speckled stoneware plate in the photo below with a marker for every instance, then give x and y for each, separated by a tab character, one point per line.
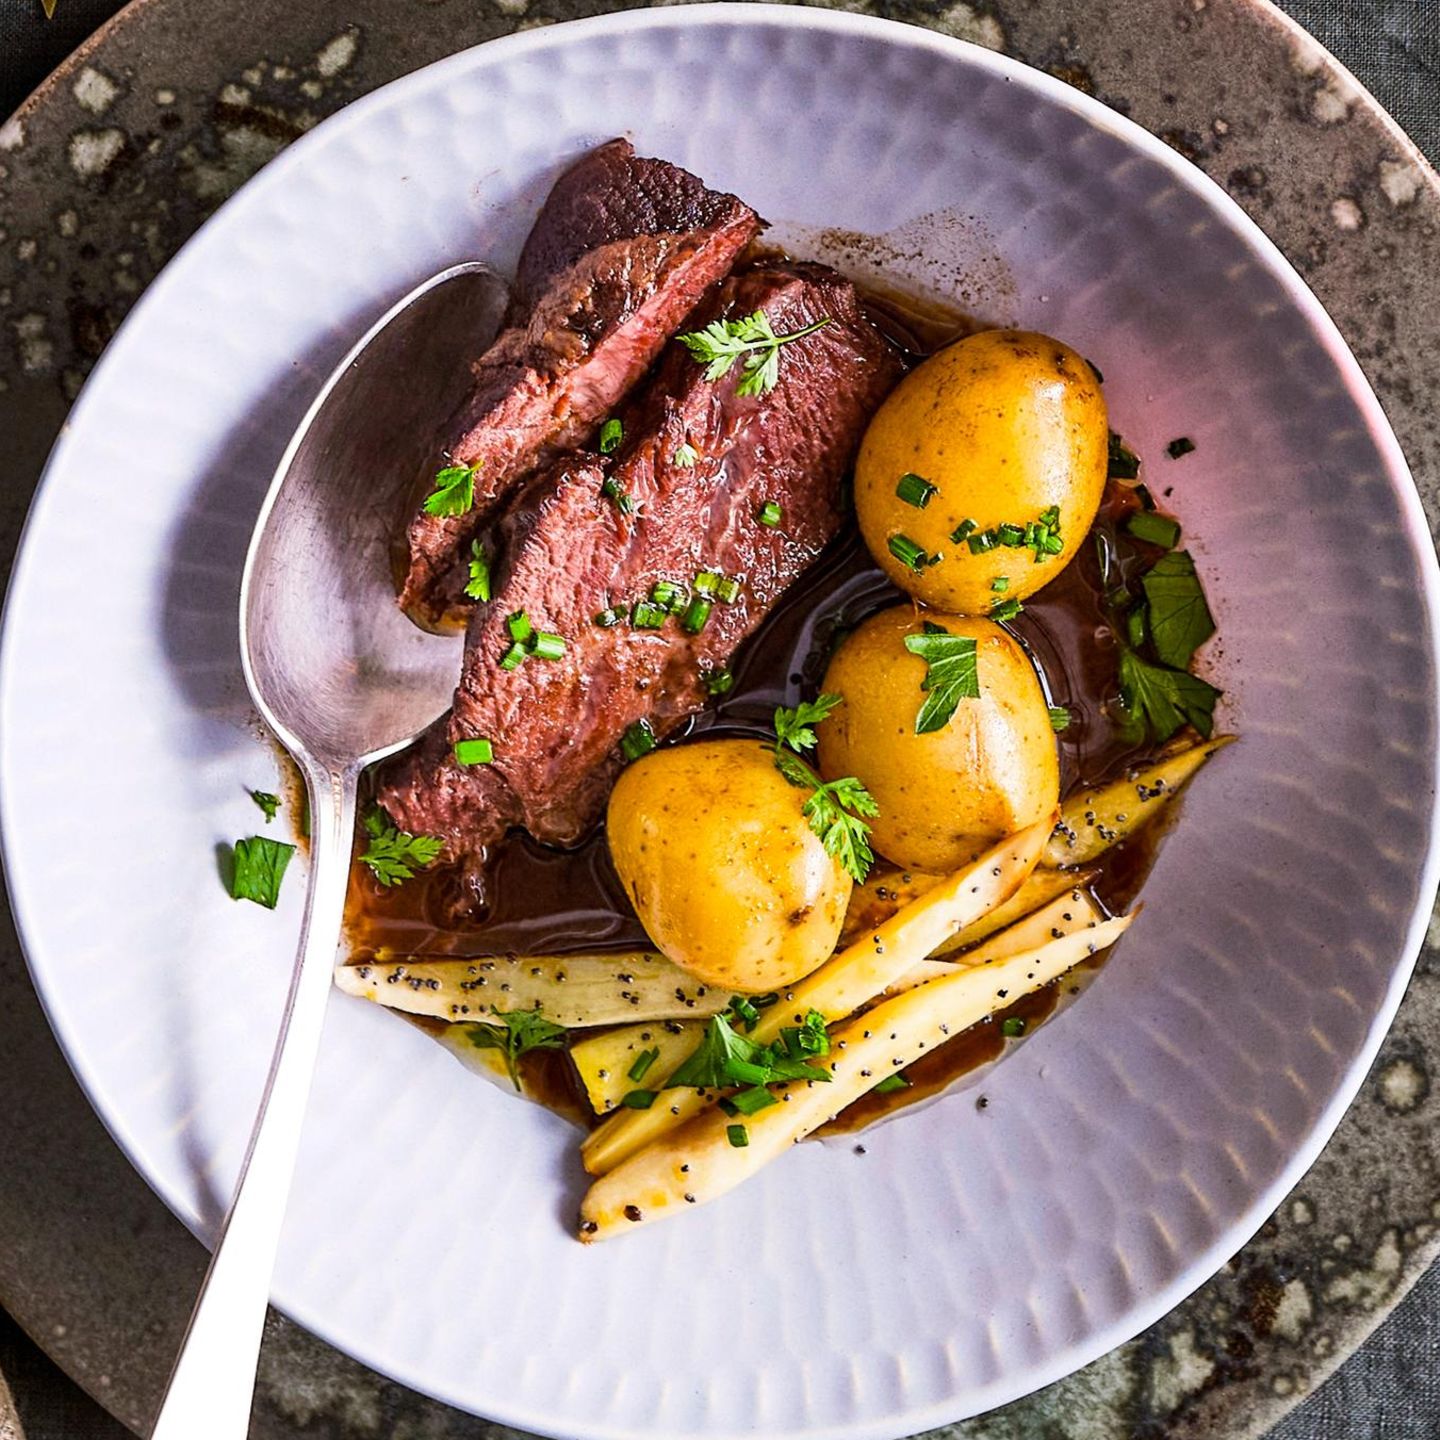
1127	1149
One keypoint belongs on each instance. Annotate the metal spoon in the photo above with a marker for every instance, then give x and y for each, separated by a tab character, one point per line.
343	678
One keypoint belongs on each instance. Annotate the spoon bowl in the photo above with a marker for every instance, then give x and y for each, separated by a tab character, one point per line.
343	678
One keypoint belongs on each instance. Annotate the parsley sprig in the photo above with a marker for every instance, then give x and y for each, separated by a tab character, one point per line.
952	674
837	809
753	341
454	490
518	1033
395	855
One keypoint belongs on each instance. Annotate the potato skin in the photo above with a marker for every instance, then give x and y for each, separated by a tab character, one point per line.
1005	423
722	867
946	796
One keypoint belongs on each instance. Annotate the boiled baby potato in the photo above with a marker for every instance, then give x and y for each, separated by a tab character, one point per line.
992	431
945	796
722	866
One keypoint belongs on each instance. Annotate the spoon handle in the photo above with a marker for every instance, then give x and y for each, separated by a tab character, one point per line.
213	1383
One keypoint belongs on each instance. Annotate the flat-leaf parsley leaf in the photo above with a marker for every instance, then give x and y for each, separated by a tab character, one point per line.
1180	620
454	490
722	342
1160	700
517	1033
395	855
259	868
952	674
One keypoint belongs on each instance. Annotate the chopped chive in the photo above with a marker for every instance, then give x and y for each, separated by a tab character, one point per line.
1059	719
638	739
1124	463
747	1102
548	646
609	617
474	752
638	1099
890	1083
1005	610
1051	544
520	628
612	432
707	582
1182	445
645	616
696	616
1154	529
727	1107
770	513
737	1135
643	1061
667	594
513	658
1000	584
616	495
982	542
963	531
1011	535
1050	518
746	1011
907	552
1012	1026
916	490
728	590
718	682
1143	495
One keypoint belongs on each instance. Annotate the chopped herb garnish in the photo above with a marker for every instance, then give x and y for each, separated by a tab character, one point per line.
952	674
517	1033
745	1012
981	542
638	739
1180	620
612	432
1124	463
514	657
609	617
770	513
1135	627
685	455
806	1039
667	594
707	582
1158	700
890	1084
756	1098
737	1135
258	870
639	1099
907	552
474	752
616	494
521	628
1182	445
1000	584
795	728
727	592
454	492
547	646
963	531
1059	719
697	614
1154	529
722	342
916	490
643	1061
647	616
718	682
395	855
1003	610
1143	495
477	587
1011	535
1012	1026
269	803
724	1058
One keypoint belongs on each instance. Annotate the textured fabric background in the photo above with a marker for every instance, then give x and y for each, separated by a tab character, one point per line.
1390	1390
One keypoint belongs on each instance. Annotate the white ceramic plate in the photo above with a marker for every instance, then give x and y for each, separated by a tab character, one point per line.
968	1256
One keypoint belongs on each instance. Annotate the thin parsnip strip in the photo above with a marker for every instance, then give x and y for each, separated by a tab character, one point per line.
1093	821
1040	886
570	990
605	1061
844	982
1062	916
712	1152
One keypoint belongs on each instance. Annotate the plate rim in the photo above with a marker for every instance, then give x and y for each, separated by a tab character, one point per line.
1047	89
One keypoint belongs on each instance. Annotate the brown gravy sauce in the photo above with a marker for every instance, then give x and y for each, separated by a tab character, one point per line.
541	900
